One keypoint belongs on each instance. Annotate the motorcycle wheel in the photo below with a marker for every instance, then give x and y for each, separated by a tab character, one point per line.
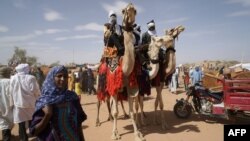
182	112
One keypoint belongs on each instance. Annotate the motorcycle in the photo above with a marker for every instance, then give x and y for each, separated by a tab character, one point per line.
204	101
232	102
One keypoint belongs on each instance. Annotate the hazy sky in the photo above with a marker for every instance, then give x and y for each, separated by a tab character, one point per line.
72	30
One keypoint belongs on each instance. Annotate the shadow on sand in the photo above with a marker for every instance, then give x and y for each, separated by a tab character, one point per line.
176	125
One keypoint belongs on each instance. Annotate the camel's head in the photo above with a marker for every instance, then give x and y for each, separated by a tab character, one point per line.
168	42
171	35
174	32
128	15
107	31
154	47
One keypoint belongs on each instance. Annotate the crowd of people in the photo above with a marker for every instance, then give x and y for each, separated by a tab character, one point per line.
82	81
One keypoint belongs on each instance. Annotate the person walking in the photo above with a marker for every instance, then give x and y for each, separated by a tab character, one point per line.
173	84
71	81
58	115
25	91
6	104
197	76
186	79
78	88
85	80
91	81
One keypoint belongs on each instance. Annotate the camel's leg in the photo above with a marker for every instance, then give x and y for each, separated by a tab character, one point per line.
98	110
140	101
115	135
138	135
156	105
110	118
126	116
164	124
136	111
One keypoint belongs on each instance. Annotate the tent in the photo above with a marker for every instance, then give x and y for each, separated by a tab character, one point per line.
242	65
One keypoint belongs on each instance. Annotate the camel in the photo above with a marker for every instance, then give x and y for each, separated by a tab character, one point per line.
128	61
109	105
169	67
166	41
153	52
105	98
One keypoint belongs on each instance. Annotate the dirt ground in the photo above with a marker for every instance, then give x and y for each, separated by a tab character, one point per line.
193	129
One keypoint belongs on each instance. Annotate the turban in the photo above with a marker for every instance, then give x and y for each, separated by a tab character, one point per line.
23	68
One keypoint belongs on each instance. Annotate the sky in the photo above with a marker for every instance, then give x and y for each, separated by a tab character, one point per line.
72	30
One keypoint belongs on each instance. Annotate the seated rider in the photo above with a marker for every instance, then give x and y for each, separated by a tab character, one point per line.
146	40
113	36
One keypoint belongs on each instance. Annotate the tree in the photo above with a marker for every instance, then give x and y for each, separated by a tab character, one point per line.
20	56
32	60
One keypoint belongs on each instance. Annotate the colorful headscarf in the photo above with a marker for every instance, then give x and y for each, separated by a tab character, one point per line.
50	93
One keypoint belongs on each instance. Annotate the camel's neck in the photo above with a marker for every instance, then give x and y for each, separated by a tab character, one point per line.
170	63
128	28
129	56
153	72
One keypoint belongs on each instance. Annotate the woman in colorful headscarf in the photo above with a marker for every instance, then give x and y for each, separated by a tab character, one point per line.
58	114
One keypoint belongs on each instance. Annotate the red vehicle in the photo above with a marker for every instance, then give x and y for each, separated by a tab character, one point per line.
234	100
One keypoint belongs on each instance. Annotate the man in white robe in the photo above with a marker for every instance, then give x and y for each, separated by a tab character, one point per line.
6	104
25	91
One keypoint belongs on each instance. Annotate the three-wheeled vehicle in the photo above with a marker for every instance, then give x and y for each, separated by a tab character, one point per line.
233	100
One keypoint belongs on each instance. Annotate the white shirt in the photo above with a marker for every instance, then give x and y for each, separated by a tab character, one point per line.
25	90
6	105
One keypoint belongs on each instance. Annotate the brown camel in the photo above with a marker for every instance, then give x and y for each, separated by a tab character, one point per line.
128	61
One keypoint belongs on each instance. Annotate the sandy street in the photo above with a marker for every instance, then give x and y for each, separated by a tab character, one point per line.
192	129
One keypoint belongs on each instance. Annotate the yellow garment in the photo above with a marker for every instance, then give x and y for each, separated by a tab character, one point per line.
71	82
78	89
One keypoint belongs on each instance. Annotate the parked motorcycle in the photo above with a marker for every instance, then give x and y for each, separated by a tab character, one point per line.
232	102
203	101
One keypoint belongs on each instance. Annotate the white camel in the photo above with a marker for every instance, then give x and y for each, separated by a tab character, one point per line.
153	53
167	41
169	67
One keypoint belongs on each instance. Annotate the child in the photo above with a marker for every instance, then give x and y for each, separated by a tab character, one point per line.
78	88
186	80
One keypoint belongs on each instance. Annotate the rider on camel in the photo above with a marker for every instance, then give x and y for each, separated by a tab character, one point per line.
146	40
115	37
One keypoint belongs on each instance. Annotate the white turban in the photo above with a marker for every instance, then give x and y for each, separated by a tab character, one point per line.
23	68
112	13
151	23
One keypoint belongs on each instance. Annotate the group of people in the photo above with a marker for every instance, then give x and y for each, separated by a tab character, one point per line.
23	103
83	82
113	40
192	76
